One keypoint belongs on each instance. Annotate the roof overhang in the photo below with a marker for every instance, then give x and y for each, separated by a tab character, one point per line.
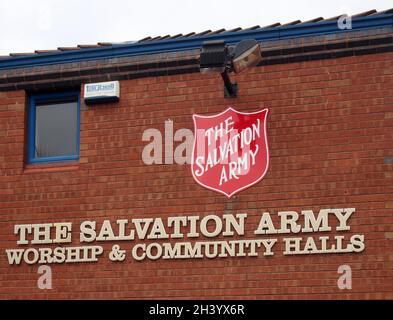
185	44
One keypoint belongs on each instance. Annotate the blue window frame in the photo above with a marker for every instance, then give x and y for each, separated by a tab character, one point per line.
53	127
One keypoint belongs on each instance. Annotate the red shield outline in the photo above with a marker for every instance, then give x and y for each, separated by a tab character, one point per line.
203	123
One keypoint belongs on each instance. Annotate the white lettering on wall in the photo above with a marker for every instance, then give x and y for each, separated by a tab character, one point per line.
292	228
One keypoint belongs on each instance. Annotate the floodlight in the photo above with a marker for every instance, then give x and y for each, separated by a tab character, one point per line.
247	54
216	56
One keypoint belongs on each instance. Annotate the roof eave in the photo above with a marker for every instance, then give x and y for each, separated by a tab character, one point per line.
195	42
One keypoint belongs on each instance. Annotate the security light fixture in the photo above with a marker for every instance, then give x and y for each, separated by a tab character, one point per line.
214	56
217	56
247	54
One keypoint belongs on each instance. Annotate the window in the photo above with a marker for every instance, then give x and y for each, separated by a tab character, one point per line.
53	127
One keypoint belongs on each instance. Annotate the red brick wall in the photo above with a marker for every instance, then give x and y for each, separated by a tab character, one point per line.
329	129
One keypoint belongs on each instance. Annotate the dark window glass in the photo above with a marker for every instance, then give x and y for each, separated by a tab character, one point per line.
53	127
56	129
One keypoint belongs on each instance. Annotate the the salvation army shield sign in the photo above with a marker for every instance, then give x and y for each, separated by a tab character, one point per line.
230	150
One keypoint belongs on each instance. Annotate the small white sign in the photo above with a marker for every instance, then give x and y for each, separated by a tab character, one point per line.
102	92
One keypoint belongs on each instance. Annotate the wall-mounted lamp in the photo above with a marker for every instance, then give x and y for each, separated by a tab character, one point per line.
216	56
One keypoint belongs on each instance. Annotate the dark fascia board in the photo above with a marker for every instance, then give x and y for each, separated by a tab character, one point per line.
195	42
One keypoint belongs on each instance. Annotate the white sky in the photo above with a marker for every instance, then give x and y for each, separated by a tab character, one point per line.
26	25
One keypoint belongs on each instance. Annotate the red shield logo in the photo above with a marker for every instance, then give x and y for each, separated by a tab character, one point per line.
230	150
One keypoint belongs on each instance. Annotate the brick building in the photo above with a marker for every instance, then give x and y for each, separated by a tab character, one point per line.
329	91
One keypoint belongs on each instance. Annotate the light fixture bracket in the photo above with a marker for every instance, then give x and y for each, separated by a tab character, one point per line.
230	88
217	56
